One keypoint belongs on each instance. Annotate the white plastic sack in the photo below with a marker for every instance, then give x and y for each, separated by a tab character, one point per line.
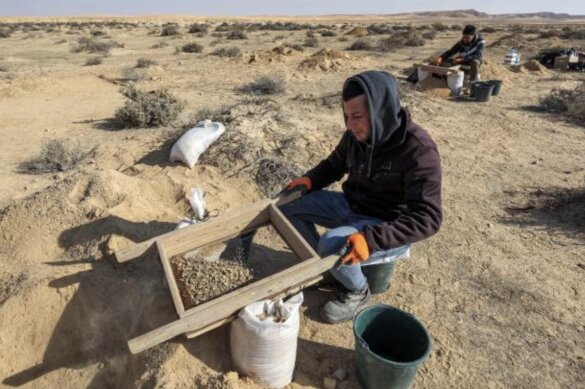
197	205
455	82
266	350
195	141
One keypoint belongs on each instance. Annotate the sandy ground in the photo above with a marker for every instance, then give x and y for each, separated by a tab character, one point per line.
500	288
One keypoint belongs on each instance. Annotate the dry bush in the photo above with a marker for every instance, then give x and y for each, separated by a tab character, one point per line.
311	42
160	45
198	28
91	45
328	33
488	30
295	46
236	35
574	34
5	33
273	174
94	61
440	27
233	152
55	156
145	62
147	109
380	29
265	85
101	33
135	75
566	101
193	47
230	52
170	29
429	35
3	67
361	44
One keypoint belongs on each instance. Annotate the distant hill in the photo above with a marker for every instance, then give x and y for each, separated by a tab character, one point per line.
474	14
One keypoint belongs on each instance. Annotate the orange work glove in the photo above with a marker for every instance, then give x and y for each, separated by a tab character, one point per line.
438	61
357	249
299	183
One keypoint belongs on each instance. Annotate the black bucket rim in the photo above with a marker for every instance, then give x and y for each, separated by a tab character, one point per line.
417	361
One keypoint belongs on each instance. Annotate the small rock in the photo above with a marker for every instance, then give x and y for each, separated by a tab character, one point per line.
329	383
340	374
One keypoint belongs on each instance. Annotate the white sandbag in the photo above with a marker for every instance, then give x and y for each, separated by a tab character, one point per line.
455	82
422	74
264	341
195	141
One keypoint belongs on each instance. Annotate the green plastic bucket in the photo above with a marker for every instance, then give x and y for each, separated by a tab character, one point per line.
379	276
497	86
390	346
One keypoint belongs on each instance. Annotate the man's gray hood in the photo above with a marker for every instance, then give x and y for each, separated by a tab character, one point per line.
381	90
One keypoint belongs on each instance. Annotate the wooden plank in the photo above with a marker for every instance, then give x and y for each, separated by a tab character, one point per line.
221	222
206	314
437	69
290	235
171	281
219	323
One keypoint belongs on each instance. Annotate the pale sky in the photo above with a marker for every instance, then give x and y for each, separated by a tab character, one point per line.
274	8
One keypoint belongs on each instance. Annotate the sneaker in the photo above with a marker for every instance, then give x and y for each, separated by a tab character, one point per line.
344	306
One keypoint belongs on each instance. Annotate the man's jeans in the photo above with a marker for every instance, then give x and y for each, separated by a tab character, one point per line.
331	210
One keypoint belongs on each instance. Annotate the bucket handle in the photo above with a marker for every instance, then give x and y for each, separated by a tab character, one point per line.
363	344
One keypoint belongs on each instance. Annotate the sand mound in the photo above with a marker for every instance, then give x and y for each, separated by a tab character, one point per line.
494	71
358	31
532	66
434	86
325	60
278	54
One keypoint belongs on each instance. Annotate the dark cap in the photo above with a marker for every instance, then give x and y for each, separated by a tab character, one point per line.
469	30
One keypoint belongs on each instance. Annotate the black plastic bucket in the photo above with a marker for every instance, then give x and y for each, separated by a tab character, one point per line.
390	346
379	276
482	91
497	86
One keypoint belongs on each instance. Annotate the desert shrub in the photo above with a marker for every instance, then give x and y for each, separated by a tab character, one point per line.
264	85
4	33
279	37
271	173
227	52
574	34
311	42
94	61
343	39
379	29
193	47
160	45
488	30
361	44
566	101
61	41
413	40
198	28
430	35
170	29
328	33
295	46
236	35
145	62
389	43
440	27
91	45
3	67
550	34
135	75
98	33
147	109
55	156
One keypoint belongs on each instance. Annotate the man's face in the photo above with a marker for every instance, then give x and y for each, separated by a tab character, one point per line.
358	117
467	38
